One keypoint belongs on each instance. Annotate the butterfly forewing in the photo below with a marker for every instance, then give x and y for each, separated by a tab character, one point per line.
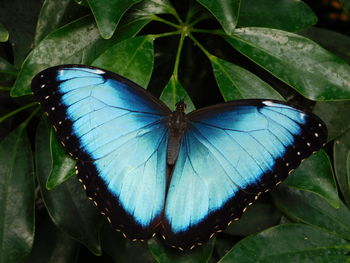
116	131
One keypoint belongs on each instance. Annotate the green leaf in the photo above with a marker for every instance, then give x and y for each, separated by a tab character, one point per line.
123	250
225	11
108	13
67	204
258	217
348	165
4	34
346	5
63	166
288	15
340	151
19	17
309	208
169	255
335	114
237	83
289	243
309	69
7	70
50	16
77	42
173	93
52	245
131	58
139	16
333	41
315	175
16	197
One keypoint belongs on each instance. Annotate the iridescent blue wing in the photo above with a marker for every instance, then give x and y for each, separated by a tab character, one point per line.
117	132
229	155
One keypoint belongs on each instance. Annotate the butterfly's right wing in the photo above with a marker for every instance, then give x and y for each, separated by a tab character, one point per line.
117	132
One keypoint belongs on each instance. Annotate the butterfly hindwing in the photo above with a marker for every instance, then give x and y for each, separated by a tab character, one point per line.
229	155
116	131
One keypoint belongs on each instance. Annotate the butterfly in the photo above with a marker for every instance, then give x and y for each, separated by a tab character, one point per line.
153	171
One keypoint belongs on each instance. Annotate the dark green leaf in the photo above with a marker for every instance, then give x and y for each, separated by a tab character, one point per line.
16	197
77	42
225	11
336	116
289	243
65	45
108	13
123	250
346	5
52	245
309	69
4	34
333	41
173	93
50	16
67	204
19	17
288	15
258	217
131	58
63	166
315	175
139	16
165	254
309	208
7	71
237	83
340	151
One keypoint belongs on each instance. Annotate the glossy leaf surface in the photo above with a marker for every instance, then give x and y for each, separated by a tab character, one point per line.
311	70
67	204
289	243
108	13
288	15
131	58
225	11
237	83
16	197
309	208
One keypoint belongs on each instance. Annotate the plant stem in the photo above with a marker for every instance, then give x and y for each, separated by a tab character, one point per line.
166	34
17	110
208	31
178	54
159	19
206	52
25	123
5	88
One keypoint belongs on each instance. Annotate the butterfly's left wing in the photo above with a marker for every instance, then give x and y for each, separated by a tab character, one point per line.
229	155
117	132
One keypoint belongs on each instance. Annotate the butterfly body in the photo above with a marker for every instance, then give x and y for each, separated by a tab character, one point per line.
184	176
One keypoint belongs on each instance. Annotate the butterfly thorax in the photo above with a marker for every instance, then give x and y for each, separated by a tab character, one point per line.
177	124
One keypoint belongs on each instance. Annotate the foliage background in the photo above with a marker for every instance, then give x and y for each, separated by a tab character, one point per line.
206	51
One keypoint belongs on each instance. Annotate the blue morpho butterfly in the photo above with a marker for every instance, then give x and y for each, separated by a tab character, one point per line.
150	170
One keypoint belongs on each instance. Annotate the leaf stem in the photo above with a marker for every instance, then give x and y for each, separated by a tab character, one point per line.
5	88
208	31
178	54
166	34
159	19
206	52
25	123
17	111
